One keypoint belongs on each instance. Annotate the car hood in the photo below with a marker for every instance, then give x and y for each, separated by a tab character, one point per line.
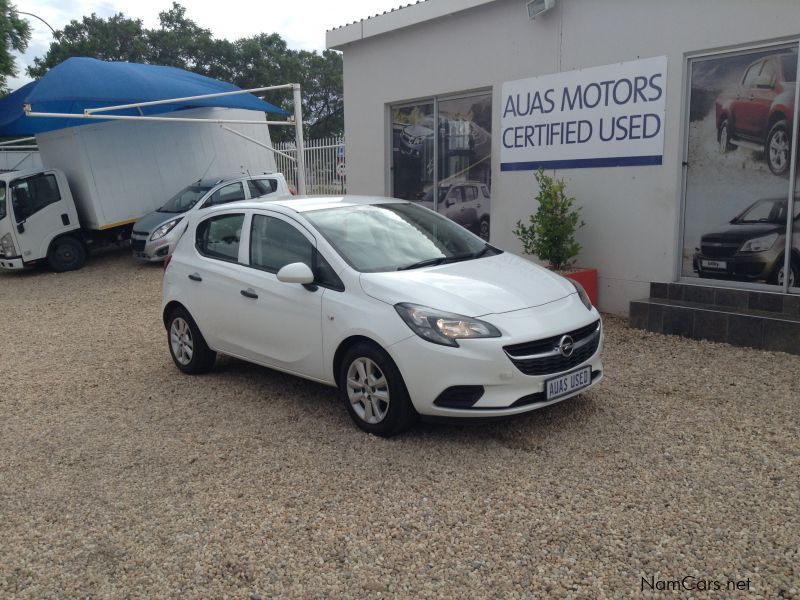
741	232
149	222
495	284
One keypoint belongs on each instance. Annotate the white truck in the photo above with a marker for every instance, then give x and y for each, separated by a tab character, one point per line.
99	179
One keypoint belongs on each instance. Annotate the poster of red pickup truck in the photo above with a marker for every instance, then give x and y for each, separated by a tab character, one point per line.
741	119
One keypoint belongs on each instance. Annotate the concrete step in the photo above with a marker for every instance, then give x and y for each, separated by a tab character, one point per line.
756	319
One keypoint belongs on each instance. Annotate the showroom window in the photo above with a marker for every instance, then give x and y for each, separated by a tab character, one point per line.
442	156
739	200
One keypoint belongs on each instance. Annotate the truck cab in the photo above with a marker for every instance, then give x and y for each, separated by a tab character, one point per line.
38	220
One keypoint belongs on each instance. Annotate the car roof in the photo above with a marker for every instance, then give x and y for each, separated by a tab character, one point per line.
212	181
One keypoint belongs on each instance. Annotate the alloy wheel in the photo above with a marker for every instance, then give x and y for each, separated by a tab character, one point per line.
782	277
368	390
723	139
180	339
779	150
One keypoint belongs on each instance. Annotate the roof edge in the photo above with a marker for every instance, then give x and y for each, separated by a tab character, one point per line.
406	16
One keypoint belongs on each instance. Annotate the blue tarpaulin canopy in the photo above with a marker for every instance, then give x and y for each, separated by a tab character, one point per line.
80	83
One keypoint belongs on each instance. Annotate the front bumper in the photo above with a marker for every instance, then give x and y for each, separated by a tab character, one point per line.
429	370
756	266
11	264
151	251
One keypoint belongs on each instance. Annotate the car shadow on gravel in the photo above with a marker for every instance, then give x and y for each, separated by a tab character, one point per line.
524	432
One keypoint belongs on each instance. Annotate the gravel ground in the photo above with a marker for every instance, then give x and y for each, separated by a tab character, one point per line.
119	477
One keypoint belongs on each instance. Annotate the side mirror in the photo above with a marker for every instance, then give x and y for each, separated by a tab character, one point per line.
296	273
449	202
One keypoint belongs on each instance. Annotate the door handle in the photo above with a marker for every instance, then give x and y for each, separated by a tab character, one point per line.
249	293
195	277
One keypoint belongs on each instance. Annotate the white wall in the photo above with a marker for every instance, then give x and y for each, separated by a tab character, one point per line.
632	213
122	170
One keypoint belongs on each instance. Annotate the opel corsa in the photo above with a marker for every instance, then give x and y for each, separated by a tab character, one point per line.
403	310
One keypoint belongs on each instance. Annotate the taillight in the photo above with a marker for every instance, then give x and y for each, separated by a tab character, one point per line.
292	191
166	261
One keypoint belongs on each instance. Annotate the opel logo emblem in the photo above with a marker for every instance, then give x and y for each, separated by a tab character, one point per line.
566	346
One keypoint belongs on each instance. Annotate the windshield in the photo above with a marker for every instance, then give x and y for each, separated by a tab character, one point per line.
2	201
185	199
764	211
391	237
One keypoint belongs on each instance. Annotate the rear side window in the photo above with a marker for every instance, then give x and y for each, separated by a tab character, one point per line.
32	194
219	236
227	193
275	243
262	187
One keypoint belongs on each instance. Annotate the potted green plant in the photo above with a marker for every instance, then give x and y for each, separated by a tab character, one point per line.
550	233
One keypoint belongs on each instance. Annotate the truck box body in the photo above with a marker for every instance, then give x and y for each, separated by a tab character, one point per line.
119	171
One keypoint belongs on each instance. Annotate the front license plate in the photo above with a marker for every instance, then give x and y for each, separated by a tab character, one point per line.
566	384
715	264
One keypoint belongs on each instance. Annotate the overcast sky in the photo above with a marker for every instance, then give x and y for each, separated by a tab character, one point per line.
302	23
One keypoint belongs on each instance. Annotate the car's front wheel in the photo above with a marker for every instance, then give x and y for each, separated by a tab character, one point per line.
187	345
779	276
66	254
374	392
778	147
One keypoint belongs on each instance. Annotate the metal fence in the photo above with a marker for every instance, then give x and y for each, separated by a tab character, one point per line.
325	165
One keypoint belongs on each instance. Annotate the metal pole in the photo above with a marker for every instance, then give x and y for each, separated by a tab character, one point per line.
17	141
90	111
787	255
298	133
256	142
140	118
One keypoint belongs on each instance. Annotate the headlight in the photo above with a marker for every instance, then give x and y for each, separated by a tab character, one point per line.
759	244
165	229
442	327
581	293
7	245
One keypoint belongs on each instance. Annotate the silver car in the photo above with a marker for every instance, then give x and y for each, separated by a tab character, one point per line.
154	235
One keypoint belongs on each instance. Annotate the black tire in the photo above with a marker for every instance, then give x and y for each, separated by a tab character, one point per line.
483	229
181	329
724	137
399	414
777	274
66	254
778	148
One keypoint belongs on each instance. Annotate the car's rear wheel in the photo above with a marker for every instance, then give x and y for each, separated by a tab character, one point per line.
778	147
484	229
374	392
724	137
187	345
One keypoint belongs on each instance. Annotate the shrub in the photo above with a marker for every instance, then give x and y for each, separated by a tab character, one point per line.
551	233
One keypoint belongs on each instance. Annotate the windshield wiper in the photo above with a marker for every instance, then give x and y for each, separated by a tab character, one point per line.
428	262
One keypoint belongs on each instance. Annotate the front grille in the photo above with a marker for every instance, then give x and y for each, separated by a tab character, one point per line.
586	340
721	251
137	245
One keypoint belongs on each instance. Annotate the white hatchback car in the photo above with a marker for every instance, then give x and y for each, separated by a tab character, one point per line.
403	310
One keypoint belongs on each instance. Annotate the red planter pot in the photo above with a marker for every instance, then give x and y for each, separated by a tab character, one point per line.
588	279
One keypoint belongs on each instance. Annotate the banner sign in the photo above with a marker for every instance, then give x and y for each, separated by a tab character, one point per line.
609	116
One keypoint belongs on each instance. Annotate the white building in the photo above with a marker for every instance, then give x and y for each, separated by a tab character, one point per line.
425	103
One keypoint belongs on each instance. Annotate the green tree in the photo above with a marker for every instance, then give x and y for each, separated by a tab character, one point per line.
15	34
115	38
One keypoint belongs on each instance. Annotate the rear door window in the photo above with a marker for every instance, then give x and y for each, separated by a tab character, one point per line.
32	194
219	236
